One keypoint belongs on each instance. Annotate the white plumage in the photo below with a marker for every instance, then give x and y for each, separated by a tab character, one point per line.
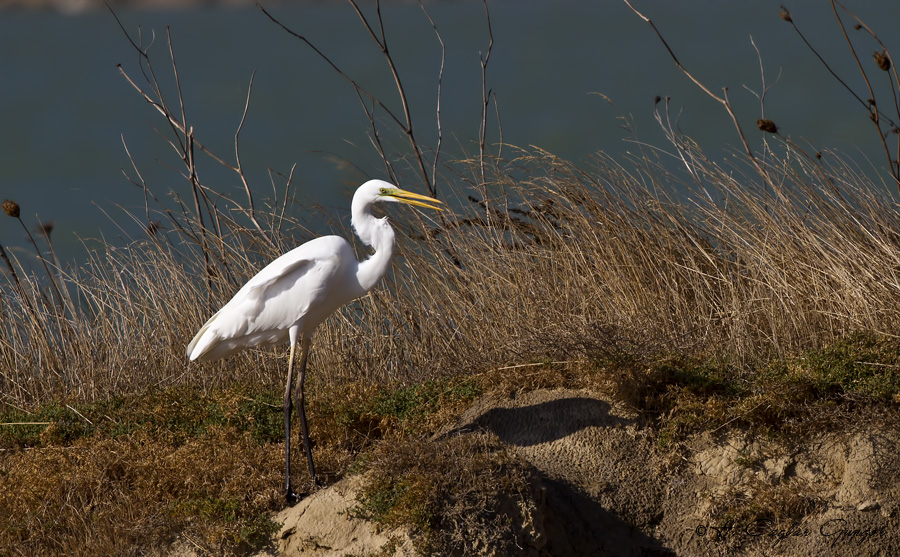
302	288
295	293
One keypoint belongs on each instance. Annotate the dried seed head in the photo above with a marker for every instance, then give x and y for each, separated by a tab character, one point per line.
154	226
656	99
785	14
11	208
857	26
767	125
881	58
44	228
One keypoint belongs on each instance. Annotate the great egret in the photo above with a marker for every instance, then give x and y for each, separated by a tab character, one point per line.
292	295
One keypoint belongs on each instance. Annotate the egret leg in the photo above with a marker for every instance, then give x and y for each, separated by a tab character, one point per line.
301	407
288	492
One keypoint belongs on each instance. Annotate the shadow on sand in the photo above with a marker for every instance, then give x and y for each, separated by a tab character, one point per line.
543	422
574	523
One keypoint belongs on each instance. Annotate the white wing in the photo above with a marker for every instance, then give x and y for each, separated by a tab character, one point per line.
301	287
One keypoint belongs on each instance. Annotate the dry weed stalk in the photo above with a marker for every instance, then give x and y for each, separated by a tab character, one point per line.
884	125
404	123
883	60
723	100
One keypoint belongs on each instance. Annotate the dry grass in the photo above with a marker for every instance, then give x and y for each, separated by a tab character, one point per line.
546	267
464	495
135	474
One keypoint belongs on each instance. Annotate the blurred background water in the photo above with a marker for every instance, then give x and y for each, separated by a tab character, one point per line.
65	108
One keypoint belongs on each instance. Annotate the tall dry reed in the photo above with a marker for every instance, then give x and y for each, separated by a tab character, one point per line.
547	266
768	253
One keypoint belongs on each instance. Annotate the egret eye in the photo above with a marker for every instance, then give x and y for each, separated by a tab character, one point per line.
383	191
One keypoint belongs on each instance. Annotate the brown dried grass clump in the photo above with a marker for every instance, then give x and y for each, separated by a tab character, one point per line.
118	496
134	474
464	495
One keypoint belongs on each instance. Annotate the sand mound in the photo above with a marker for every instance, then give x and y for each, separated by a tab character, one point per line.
322	525
605	487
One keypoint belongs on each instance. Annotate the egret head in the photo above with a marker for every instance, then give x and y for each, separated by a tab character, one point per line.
379	190
377	232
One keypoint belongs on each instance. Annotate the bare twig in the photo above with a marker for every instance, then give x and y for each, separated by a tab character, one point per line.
723	100
279	220
875	113
175	73
251	214
485	93
196	193
761	94
440	79
148	195
404	124
401	92
499	128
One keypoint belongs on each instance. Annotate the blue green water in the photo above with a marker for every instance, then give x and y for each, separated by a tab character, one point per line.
65	108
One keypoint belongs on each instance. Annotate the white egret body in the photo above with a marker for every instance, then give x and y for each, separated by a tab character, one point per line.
292	295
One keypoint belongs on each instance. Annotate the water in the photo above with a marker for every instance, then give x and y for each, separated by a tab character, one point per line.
64	106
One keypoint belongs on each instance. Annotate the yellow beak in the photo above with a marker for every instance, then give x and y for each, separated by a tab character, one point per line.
411	198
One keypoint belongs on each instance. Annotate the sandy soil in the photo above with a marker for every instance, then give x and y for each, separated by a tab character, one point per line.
607	488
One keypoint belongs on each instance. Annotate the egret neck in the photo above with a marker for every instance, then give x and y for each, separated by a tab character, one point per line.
375	233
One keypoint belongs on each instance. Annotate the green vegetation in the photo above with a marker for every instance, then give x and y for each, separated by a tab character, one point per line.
414	404
179	413
786	396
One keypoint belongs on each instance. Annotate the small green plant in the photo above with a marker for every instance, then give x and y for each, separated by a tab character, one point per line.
412	405
863	365
789	395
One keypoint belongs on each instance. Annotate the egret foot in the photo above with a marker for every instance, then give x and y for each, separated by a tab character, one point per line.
291	497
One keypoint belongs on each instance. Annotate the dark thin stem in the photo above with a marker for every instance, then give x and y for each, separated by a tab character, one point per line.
50	276
440	79
485	94
401	92
251	213
12	271
871	106
874	111
723	100
406	125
